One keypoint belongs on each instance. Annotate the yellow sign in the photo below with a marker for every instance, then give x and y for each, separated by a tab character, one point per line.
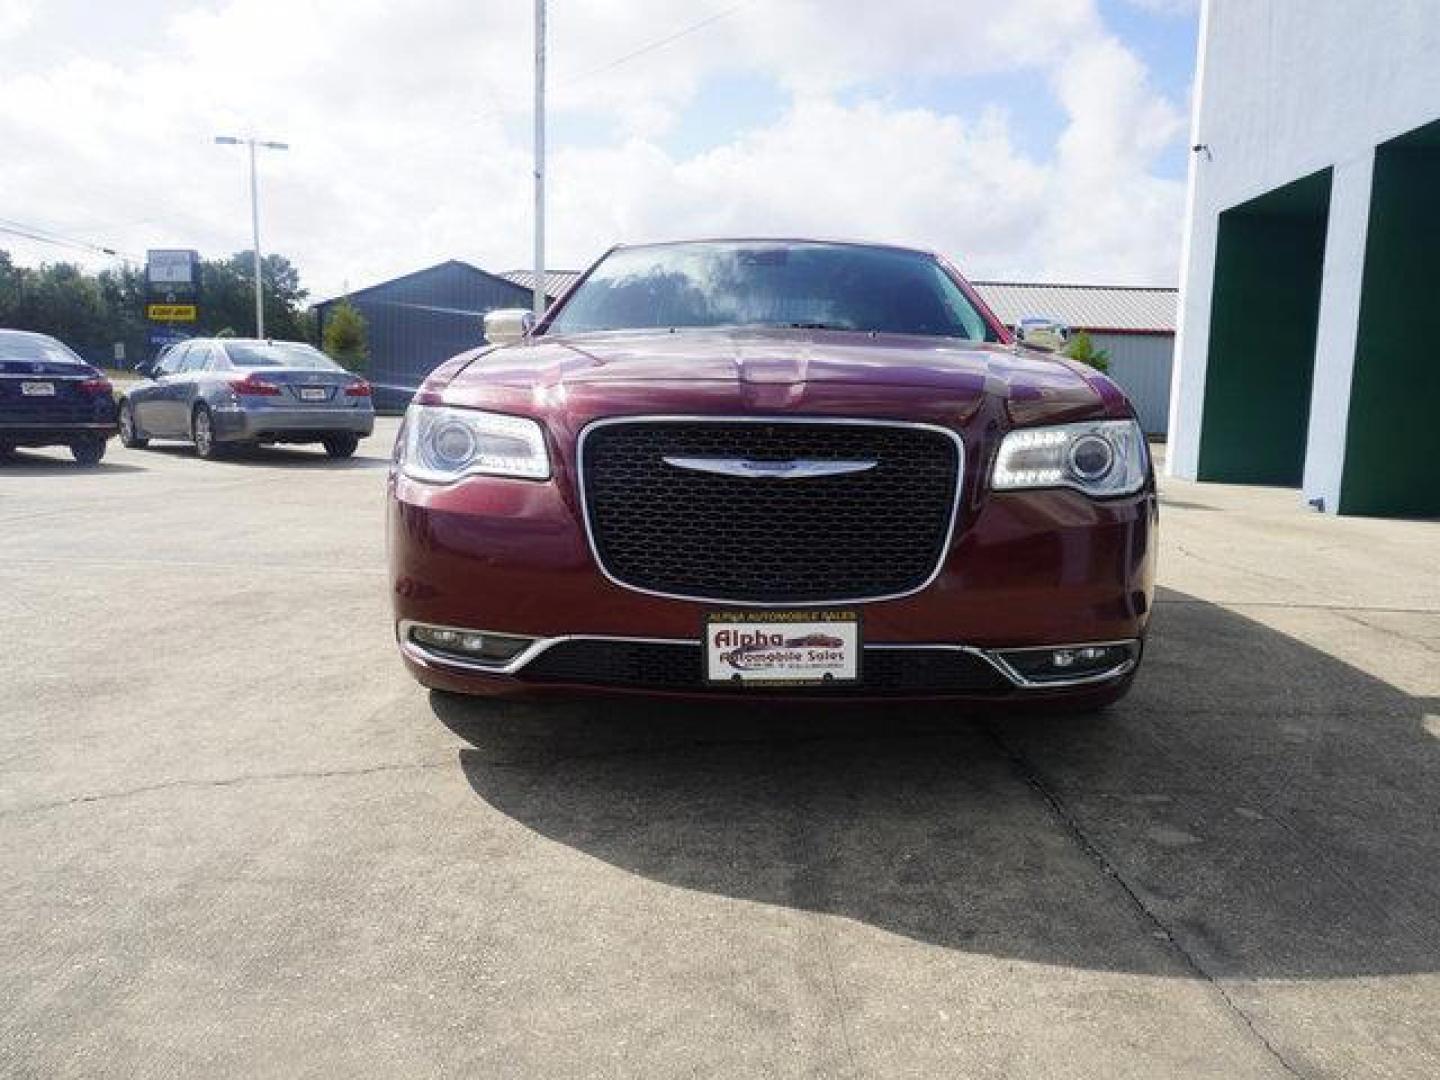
171	312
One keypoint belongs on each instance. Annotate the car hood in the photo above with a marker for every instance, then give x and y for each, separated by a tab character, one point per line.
746	359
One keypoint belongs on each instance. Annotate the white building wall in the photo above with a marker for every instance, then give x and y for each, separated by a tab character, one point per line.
1284	89
1337	329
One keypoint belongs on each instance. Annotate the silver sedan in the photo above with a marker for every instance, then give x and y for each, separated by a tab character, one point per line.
224	392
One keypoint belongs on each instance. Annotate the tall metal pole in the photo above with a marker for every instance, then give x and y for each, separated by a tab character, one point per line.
255	229
253	144
539	158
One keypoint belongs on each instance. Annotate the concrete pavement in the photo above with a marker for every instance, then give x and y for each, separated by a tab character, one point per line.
237	840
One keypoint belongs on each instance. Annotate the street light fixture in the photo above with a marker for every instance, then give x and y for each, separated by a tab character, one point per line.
230	140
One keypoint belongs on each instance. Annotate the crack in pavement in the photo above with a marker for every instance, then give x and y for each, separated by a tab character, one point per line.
221	782
191	564
1224	564
517	762
1349	616
836	996
1290	605
1031	775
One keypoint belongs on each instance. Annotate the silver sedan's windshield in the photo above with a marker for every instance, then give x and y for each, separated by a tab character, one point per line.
803	285
286	354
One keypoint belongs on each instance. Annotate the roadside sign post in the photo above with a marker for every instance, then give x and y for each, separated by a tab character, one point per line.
172	293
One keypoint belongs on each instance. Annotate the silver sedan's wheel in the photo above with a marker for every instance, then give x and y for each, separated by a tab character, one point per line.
129	434
202	431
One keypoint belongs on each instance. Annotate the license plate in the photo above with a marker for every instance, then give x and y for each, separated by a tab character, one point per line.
37	389
313	393
782	648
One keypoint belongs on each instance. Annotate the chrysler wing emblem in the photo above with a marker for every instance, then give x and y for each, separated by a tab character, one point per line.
778	470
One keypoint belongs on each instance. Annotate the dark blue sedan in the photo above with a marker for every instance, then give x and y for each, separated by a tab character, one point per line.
228	392
50	397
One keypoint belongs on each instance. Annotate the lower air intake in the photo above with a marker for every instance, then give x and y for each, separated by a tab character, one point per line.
678	666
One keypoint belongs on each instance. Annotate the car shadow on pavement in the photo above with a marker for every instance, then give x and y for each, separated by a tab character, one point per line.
23	463
279	457
1255	808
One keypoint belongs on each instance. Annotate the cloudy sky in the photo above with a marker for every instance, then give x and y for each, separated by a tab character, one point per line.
1038	139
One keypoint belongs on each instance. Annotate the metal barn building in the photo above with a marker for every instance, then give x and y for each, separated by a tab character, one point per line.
1134	324
416	322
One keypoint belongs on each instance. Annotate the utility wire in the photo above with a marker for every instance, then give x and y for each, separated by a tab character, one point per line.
610	65
659	43
58	242
43	235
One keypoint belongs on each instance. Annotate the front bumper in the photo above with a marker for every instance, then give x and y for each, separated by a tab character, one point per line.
1023	569
234	424
650	665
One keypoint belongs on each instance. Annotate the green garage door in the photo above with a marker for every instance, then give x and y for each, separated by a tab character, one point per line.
1268	265
1392	447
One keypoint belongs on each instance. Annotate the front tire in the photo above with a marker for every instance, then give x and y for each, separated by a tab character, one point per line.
88	451
341	446
130	436
202	434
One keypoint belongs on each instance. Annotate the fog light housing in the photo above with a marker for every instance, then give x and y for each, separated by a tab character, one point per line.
1069	663
475	646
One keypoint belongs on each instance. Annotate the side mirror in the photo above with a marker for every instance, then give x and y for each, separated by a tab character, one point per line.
1037	332
145	370
508	324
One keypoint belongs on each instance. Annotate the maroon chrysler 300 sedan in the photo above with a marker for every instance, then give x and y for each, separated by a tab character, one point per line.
771	468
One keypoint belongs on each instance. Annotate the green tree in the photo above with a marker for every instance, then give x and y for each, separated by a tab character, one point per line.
123	291
1083	349
59	299
11	283
92	312
344	340
227	296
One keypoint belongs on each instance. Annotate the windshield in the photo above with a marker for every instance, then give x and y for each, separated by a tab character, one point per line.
22	352
286	354
810	286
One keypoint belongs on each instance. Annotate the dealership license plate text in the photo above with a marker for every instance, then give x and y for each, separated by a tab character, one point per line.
782	647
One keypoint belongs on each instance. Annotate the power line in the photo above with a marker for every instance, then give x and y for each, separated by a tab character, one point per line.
71	244
39	232
649	47
42	235
659	43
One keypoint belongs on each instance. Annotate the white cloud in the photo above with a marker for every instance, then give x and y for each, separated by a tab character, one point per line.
15	16
863	171
409	133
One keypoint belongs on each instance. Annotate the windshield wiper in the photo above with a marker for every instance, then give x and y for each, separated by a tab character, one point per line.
816	326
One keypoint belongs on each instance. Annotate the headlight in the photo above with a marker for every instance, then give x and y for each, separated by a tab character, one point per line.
441	444
1100	457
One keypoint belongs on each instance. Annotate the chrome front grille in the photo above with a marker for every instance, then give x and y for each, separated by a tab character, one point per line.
876	524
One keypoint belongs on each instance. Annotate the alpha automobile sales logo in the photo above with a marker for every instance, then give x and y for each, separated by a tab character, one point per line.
755	650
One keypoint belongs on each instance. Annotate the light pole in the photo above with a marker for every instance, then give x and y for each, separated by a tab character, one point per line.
230	140
539	298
